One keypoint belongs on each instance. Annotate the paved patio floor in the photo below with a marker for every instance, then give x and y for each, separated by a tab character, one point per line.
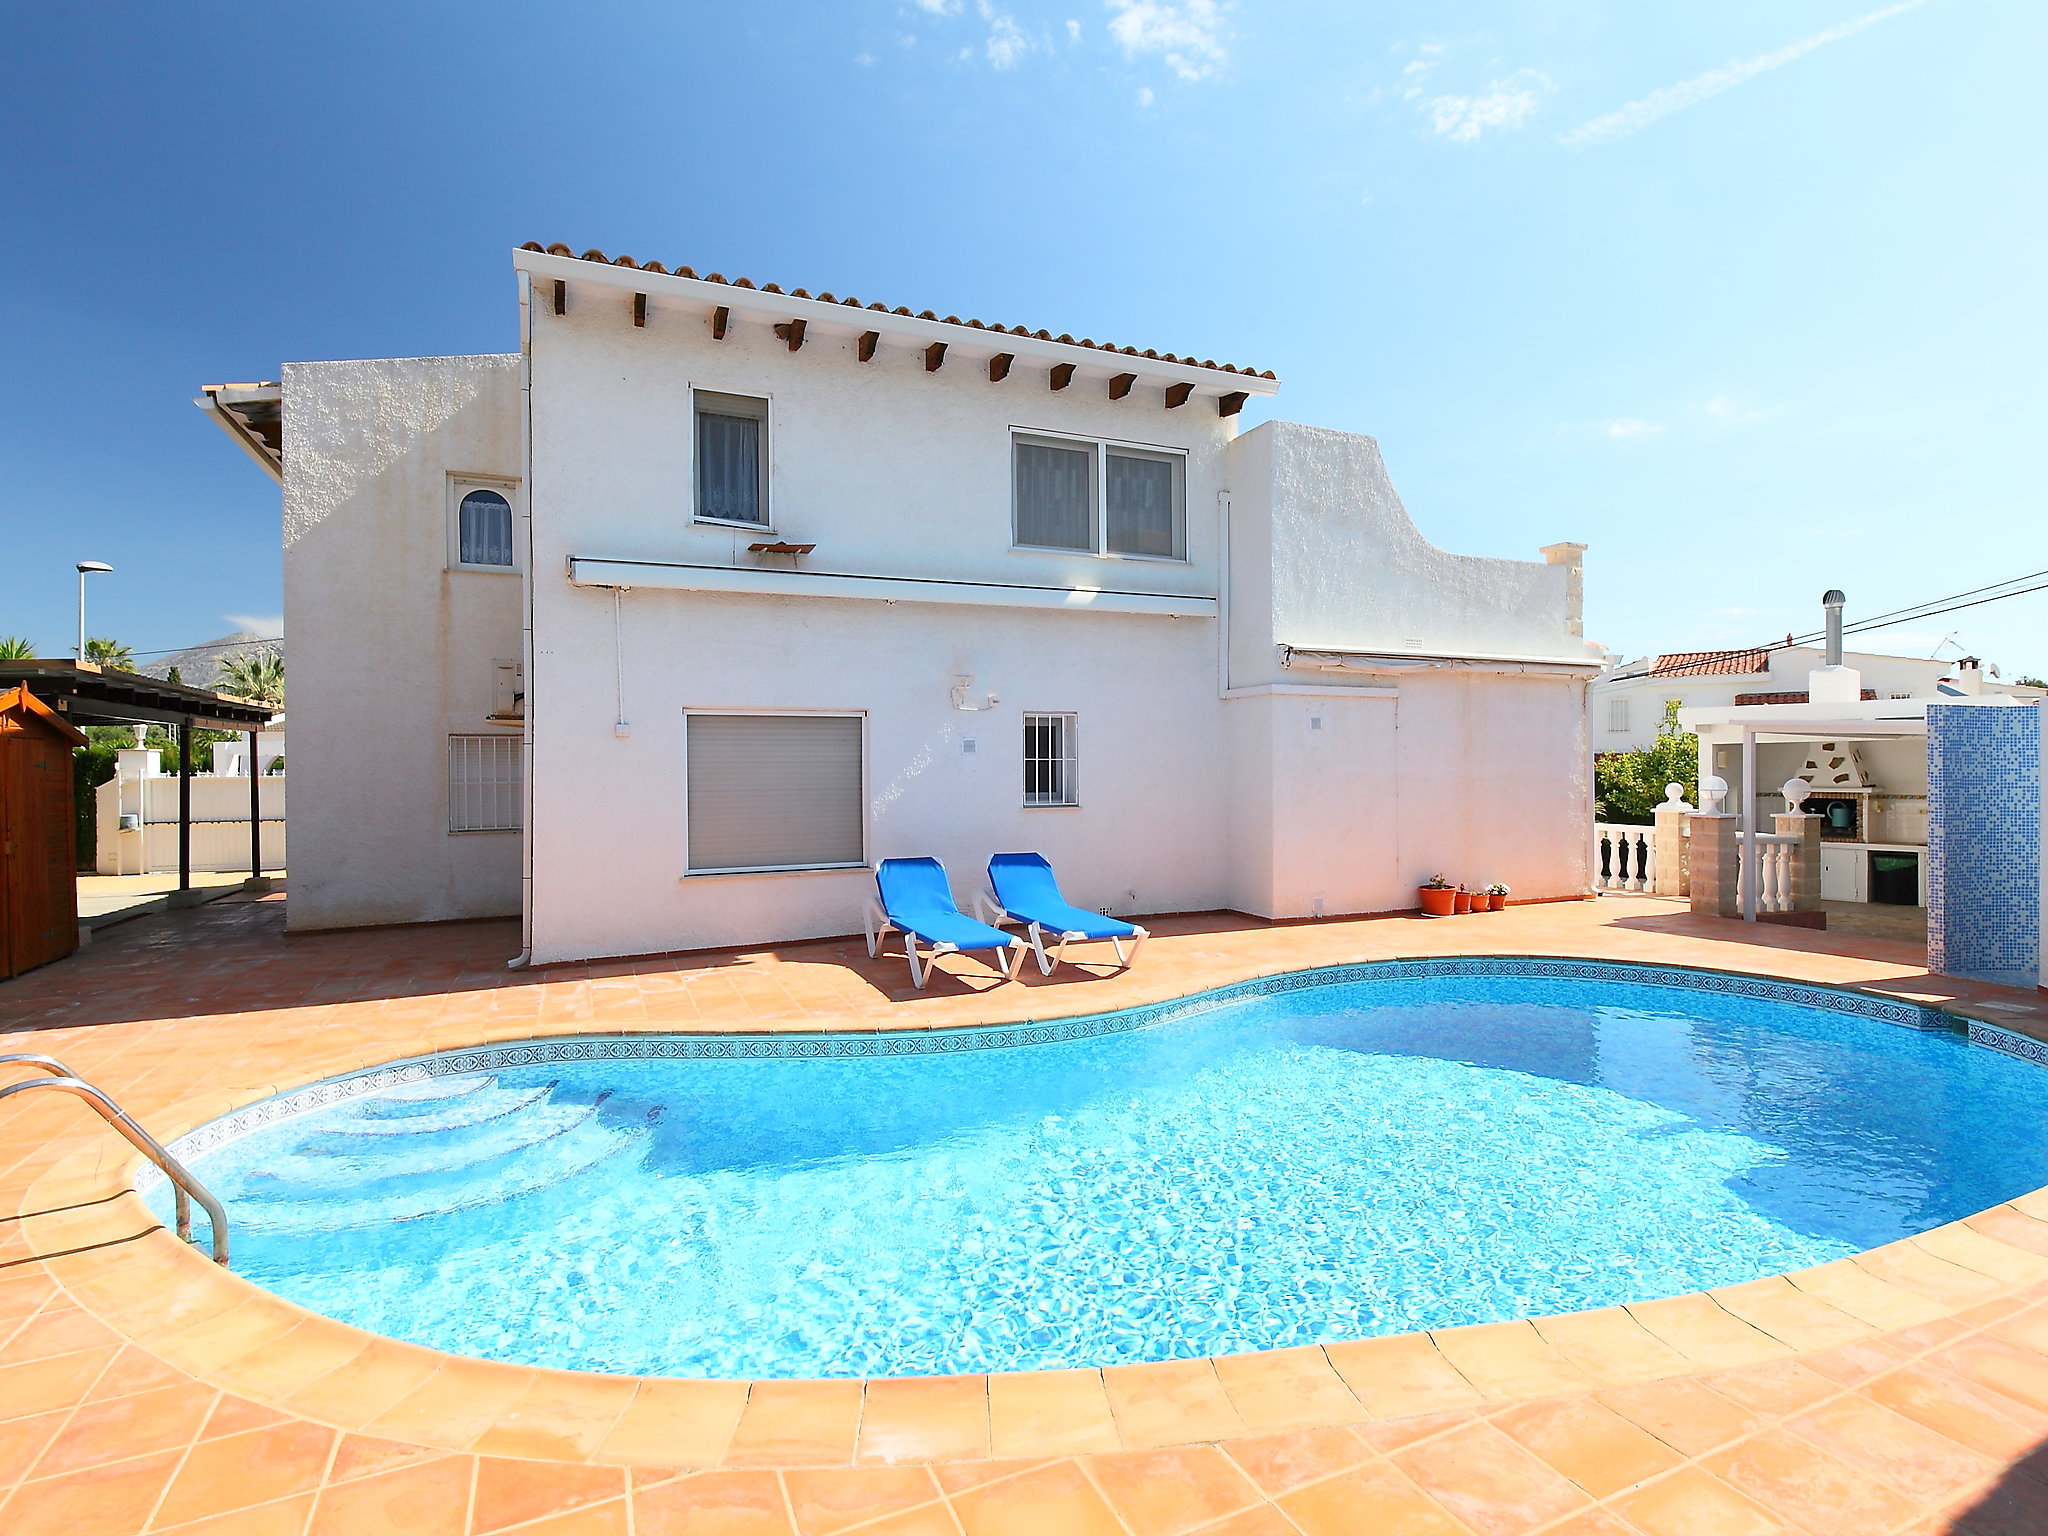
143	1389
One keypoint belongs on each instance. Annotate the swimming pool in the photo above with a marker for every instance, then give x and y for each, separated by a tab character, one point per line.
1329	1155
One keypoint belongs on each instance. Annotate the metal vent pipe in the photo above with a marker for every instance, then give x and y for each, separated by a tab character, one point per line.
1832	600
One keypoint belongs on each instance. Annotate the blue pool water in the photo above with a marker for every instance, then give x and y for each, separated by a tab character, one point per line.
1360	1157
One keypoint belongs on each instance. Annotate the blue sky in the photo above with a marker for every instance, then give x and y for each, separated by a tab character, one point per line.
1744	295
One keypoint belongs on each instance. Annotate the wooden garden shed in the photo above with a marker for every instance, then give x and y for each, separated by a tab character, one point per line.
38	882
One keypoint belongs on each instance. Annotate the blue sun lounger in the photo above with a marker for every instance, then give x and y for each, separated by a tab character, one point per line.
915	901
1022	890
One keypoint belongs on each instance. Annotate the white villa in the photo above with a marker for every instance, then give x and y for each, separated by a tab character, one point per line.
661	631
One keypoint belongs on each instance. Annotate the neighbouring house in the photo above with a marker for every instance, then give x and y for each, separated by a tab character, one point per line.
136	811
663	629
1627	702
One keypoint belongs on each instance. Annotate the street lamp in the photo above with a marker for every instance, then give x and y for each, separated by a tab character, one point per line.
87	568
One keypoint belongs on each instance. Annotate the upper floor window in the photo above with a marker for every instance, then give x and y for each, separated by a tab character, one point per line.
1617	714
1098	498
732	458
480	524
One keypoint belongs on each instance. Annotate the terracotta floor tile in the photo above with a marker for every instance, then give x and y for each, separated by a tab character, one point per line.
231	1415
924	1418
1611	1347
1855	1363
676	1424
1050	1413
293	1360
110	1500
23	1440
1286	1389
1806	1487
1592	1522
1171	1492
431	1499
2010	1225
456	1406
281	1517
1260	1520
37	1386
1278	1463
609	1519
1509	1362
1056	1497
925	1520
2005	1368
1489	1481
367	1386
1401	1374
1683	1414
1777	1307
1925	1466
1591	1444
713	1504
366	1455
1713	1338
1958	1243
1775	1388
1849	1289
797	1423
60	1331
1372	1500
958	1476
512	1492
1992	1425
1914	1269
825	1500
562	1414
1692	1502
250	1468
2016	1506
115	1429
1172	1402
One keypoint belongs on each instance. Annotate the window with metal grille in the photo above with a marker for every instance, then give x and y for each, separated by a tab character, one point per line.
1049	760
1617	714
484	783
773	792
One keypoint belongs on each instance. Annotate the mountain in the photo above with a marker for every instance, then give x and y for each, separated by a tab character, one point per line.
199	665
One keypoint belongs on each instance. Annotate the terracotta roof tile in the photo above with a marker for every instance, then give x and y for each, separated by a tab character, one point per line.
559	249
1712	663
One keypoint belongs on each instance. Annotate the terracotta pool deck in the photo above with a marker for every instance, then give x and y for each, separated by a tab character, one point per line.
143	1389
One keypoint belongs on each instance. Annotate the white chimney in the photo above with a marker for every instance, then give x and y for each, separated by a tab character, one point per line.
1834	683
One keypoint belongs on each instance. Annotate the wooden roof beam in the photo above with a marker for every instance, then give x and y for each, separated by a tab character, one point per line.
720	318
999	367
1061	376
640	310
1232	403
1177	395
791	331
1121	385
934	357
869	340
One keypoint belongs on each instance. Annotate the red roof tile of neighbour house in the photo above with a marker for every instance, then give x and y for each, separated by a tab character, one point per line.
1800	697
849	301
1712	663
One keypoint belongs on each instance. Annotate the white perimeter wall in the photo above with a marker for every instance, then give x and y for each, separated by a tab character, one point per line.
391	650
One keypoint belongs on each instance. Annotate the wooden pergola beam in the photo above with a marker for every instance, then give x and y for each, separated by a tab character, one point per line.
999	367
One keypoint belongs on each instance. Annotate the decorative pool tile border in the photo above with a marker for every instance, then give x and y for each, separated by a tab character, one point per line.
1991	1037
995	1037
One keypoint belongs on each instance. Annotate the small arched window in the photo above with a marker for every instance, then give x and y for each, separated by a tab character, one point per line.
484	529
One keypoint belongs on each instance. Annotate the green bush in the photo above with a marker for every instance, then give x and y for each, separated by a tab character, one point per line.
1629	786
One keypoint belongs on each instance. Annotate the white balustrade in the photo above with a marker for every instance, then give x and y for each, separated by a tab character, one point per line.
1624	857
1775	858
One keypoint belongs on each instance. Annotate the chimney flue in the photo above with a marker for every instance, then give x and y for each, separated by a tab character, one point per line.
1832	600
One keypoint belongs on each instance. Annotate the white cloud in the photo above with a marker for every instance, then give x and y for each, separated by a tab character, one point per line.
1505	103
1145	96
1189	35
1006	40
1073	30
1631	427
269	625
864	59
1638	115
939	7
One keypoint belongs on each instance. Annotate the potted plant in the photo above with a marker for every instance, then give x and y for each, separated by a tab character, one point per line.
1496	897
1439	897
1461	900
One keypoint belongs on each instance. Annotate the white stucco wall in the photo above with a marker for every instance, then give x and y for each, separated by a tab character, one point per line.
392	651
1189	800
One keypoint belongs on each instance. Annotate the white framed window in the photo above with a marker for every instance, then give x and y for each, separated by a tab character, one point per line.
1051	760
1617	715
732	458
1097	498
480	524
774	792
485	775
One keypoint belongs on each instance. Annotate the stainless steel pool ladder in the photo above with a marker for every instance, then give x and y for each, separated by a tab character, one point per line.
64	1080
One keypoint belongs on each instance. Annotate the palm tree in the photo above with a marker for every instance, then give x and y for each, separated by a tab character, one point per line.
15	648
110	653
258	677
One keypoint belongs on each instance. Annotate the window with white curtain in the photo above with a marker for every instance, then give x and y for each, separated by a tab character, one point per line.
480	532
769	792
732	458
1098	498
1050	761
484	784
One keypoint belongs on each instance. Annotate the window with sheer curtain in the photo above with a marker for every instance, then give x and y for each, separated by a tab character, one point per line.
773	792
1098	498
732	458
484	529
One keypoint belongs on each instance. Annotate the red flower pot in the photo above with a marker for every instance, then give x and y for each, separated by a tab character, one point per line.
1496	901
1462	900
1437	903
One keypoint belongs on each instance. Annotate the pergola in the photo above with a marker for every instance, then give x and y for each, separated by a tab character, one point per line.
86	695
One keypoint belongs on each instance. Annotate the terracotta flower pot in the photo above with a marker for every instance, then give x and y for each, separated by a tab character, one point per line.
1437	903
1462	900
1496	901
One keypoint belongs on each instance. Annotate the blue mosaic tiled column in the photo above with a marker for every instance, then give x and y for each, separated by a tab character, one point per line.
1984	842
